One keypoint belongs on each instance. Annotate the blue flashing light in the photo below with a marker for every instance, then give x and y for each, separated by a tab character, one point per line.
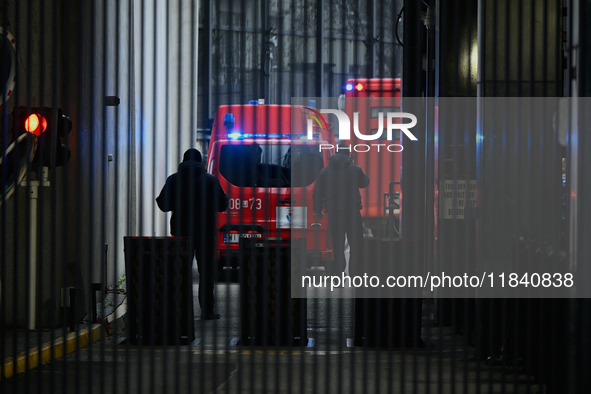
253	102
241	136
229	120
312	103
349	86
266	135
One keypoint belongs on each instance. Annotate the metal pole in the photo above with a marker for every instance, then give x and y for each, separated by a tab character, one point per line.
33	196
34	193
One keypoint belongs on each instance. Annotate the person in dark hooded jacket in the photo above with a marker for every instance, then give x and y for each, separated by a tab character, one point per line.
337	192
195	197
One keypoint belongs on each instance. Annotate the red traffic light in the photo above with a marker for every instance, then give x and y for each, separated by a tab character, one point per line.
50	125
36	124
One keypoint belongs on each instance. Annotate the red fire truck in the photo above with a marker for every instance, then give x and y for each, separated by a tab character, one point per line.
382	197
267	166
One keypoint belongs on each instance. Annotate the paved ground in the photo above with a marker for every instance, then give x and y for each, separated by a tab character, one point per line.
213	364
135	370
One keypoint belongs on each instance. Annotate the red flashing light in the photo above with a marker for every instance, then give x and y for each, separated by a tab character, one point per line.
359	87
35	124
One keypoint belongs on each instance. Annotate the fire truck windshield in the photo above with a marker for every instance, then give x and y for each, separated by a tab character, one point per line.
270	164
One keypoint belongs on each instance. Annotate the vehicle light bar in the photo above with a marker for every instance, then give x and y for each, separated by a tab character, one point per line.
242	136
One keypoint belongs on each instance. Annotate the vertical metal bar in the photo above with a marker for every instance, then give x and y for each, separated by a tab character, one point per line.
3	218
39	261
243	42
95	175
194	122
118	10
479	245
229	50
76	14
282	267
492	311
413	175
141	41
469	152
578	166
168	247
131	202
529	198
501	146
430	164
36	202
455	134
86	29
546	198
29	300
152	153
107	134
4	351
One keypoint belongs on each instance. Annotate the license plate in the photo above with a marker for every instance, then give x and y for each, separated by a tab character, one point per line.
235	238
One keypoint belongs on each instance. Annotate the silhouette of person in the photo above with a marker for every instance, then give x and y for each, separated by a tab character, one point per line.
195	197
337	191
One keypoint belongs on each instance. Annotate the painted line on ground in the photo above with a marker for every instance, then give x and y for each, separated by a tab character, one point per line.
51	350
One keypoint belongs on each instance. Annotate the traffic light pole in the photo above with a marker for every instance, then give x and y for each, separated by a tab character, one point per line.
49	125
33	186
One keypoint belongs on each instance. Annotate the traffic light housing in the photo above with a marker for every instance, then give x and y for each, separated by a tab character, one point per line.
50	125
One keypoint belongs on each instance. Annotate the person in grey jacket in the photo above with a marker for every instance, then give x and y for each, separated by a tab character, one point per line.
195	197
337	192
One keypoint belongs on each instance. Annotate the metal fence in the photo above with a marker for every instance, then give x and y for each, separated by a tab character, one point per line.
354	158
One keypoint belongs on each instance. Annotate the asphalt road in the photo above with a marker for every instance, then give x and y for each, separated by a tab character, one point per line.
212	363
123	369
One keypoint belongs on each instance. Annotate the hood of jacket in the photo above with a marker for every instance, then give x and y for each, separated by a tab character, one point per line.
191	167
340	161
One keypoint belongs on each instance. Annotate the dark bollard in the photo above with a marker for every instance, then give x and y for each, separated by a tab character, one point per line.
269	316
393	322
159	290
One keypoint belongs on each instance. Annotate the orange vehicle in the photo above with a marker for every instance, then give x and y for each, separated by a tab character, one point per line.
383	195
267	166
